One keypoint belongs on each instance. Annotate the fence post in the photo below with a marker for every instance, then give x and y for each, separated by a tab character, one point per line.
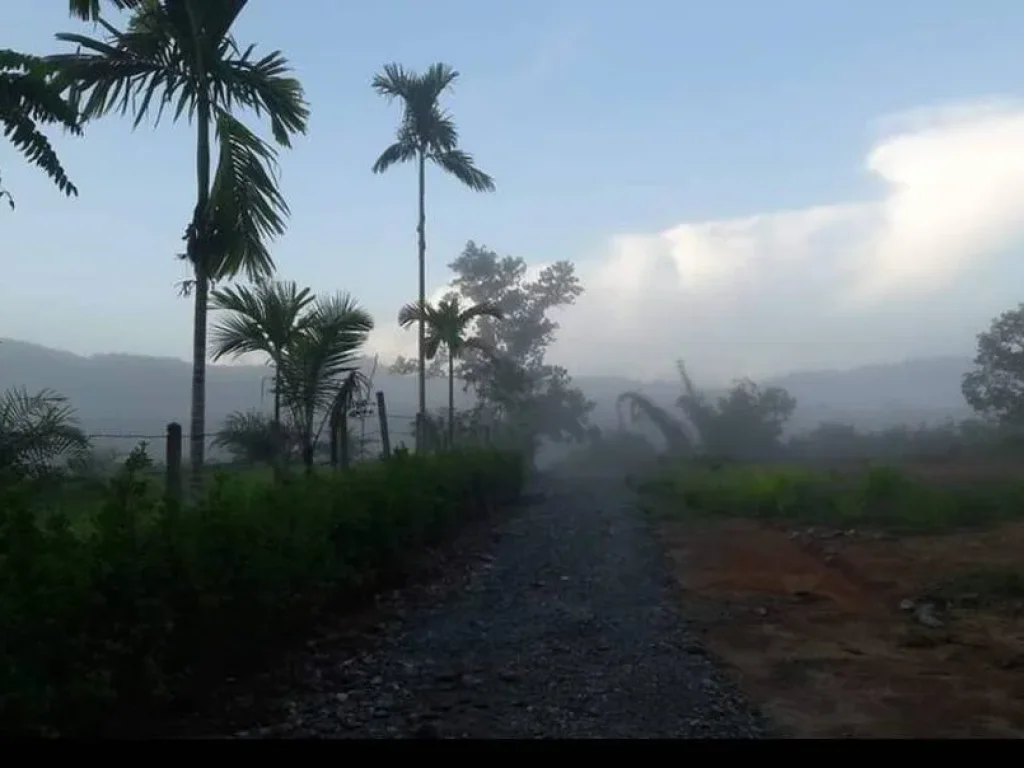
173	454
382	415
343	445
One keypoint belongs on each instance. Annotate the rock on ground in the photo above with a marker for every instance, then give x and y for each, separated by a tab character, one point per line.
568	630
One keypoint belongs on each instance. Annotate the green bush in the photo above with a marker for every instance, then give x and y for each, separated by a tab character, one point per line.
883	497
120	604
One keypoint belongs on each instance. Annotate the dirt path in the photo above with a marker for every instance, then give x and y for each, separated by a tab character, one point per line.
566	630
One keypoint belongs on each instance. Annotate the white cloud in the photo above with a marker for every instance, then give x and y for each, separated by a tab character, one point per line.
919	270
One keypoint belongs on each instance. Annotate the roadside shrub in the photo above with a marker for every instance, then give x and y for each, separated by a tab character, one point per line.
881	496
119	604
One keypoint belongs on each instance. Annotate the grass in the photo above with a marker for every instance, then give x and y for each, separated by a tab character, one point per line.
881	497
116	605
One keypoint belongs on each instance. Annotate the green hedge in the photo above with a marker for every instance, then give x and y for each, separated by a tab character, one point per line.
878	497
118	605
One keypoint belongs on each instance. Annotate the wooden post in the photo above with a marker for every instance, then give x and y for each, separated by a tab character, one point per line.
173	454
342	432
382	415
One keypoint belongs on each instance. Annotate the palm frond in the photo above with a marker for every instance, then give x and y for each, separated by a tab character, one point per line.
89	10
30	97
413	313
37	431
399	152
460	165
246	208
262	317
642	407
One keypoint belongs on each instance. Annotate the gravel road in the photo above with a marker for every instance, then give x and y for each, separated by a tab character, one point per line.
567	629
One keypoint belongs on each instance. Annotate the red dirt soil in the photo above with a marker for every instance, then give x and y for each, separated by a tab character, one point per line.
813	628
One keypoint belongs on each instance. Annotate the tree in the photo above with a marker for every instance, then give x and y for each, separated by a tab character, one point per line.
746	422
37	431
426	133
252	438
181	53
995	387
319	369
446	325
29	99
264	318
515	384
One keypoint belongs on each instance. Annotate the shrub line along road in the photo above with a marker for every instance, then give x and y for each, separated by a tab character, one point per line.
569	630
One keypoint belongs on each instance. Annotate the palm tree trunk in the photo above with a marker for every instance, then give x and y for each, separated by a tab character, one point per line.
422	232
451	400
277	435
197	428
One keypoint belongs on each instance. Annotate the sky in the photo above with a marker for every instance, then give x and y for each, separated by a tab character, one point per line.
753	187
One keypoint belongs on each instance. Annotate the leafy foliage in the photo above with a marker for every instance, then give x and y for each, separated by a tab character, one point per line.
426	129
319	370
250	437
30	98
446	324
996	385
181	54
515	386
747	422
879	497
115	608
38	433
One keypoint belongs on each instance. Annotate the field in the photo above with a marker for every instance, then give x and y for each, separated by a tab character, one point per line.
878	602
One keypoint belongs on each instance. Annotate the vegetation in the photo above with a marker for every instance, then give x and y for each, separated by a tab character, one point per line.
120	599
29	99
120	605
313	345
425	134
446	325
879	497
182	52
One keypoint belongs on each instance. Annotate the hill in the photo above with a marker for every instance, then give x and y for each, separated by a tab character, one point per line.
118	394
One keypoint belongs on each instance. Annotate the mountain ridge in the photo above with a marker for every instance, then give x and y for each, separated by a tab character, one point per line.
139	394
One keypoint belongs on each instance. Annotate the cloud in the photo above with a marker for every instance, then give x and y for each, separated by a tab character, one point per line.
917	271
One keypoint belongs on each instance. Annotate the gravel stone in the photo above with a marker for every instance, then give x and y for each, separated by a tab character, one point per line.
566	629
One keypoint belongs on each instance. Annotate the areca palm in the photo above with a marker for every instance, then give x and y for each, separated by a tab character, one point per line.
29	98
319	367
446	324
426	133
262	318
181	54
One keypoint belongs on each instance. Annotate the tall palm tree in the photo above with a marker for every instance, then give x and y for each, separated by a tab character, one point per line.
29	98
181	53
426	133
263	318
320	365
446	324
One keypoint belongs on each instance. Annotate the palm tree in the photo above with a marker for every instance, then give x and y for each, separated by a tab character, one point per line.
251	438
426	133
263	318
37	431
29	98
181	53
446	324
319	367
